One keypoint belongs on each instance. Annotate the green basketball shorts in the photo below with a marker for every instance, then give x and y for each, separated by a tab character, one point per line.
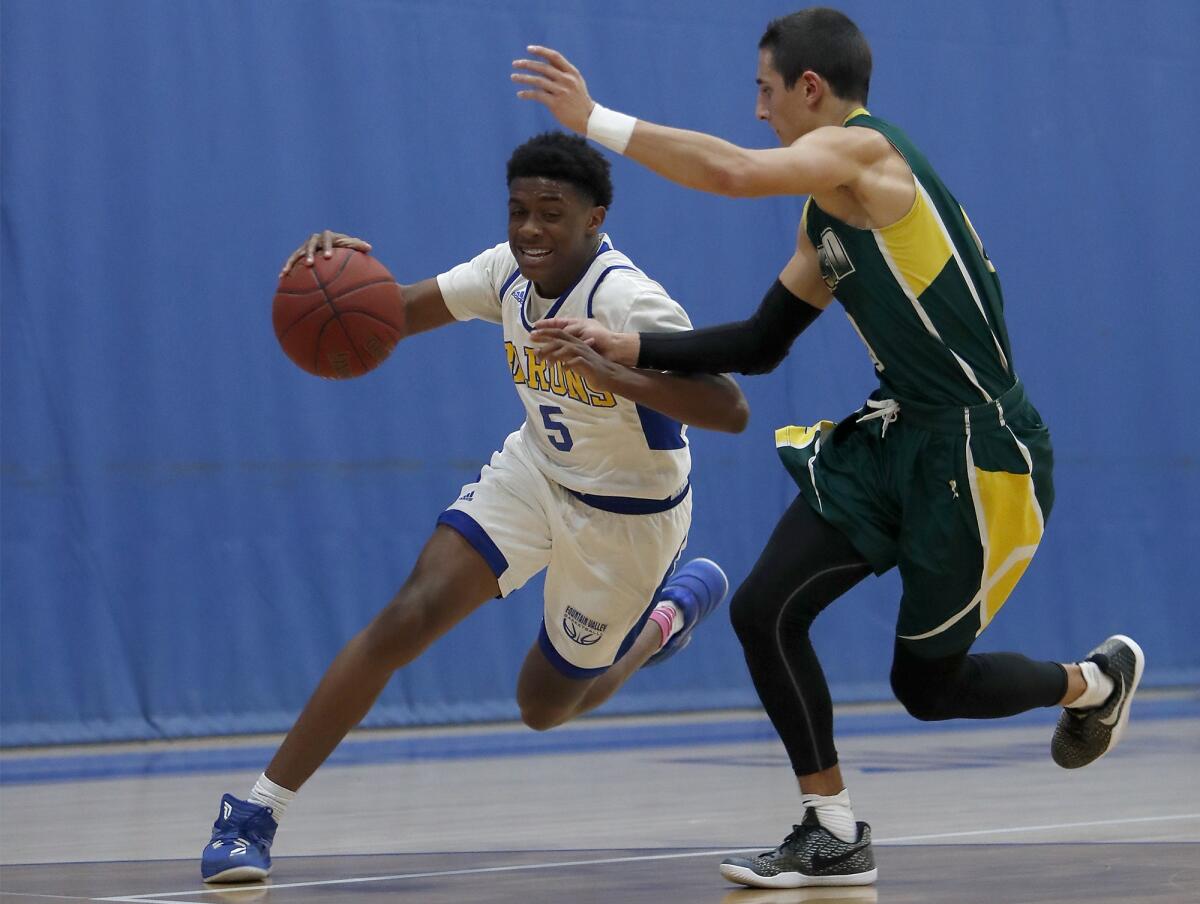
957	497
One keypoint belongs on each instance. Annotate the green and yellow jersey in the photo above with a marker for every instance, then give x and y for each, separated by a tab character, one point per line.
921	293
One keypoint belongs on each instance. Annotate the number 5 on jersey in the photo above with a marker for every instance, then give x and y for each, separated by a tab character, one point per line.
556	431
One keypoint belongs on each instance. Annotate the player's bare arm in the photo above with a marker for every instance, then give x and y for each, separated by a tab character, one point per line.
701	400
822	161
424	307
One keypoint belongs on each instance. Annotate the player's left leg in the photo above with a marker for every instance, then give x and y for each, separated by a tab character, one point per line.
614	601
549	696
551	691
962	551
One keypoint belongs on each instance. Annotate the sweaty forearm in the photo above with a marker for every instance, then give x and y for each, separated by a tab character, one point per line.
753	346
692	159
701	400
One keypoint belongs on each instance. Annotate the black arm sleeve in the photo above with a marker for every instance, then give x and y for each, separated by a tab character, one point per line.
753	346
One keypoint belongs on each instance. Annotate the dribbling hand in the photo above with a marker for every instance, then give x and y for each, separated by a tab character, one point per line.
555	82
326	241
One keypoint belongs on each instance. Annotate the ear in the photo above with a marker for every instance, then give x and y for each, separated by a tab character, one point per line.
813	87
596	219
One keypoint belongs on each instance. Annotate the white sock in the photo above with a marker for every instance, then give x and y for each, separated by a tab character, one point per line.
834	814
266	793
1098	687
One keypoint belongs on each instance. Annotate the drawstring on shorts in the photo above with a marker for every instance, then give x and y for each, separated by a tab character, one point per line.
886	409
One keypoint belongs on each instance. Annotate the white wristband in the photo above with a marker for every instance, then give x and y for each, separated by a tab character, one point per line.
610	128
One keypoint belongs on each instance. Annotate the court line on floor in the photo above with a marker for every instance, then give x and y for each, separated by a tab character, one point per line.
155	897
99	765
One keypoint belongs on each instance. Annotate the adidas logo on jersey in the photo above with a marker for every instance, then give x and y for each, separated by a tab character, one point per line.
467	496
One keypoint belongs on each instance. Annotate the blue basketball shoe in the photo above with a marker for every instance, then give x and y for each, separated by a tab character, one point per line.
240	849
696	588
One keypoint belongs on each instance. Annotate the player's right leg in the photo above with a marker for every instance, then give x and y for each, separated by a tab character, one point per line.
449	581
491	540
806	565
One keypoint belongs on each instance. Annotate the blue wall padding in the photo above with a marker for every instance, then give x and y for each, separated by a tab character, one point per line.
192	527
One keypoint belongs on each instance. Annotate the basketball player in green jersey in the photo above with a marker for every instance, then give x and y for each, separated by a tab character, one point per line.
945	472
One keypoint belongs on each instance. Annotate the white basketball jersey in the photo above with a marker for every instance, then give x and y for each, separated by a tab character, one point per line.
584	439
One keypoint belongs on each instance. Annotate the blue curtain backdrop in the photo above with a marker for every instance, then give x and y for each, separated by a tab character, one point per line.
192	526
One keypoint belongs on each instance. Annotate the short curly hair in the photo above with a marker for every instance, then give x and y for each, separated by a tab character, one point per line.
566	158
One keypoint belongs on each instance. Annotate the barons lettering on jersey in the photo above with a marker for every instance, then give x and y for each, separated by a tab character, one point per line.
551	377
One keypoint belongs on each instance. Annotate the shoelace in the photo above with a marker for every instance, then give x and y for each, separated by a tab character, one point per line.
791	840
249	831
886	409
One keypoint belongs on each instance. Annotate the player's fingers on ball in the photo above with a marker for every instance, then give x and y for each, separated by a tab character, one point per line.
327	243
310	247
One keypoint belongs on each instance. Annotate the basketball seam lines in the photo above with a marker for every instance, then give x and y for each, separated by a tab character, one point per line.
325	300
375	282
337	315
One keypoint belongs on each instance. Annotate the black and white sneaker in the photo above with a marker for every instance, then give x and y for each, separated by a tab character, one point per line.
1084	735
810	855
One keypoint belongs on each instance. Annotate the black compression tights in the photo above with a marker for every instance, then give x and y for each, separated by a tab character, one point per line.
806	565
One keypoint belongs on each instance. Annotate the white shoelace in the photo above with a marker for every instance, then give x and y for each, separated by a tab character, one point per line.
886	409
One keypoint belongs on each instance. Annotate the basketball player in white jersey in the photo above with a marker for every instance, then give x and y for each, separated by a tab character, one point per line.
593	487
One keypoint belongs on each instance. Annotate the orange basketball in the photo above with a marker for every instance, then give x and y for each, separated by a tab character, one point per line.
340	317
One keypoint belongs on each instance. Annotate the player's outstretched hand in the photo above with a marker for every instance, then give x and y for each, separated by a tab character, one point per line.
326	241
620	348
555	82
574	353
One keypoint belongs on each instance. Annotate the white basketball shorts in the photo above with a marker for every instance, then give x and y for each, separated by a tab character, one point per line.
603	565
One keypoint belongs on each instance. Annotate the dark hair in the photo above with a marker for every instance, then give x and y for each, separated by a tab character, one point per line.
567	158
825	41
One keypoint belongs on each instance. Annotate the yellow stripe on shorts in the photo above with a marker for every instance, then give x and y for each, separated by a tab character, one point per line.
801	437
1010	528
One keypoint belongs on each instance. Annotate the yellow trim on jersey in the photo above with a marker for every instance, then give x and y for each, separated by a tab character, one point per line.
804	216
857	111
1010	526
917	243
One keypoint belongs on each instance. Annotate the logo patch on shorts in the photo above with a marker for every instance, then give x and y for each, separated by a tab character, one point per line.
581	629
